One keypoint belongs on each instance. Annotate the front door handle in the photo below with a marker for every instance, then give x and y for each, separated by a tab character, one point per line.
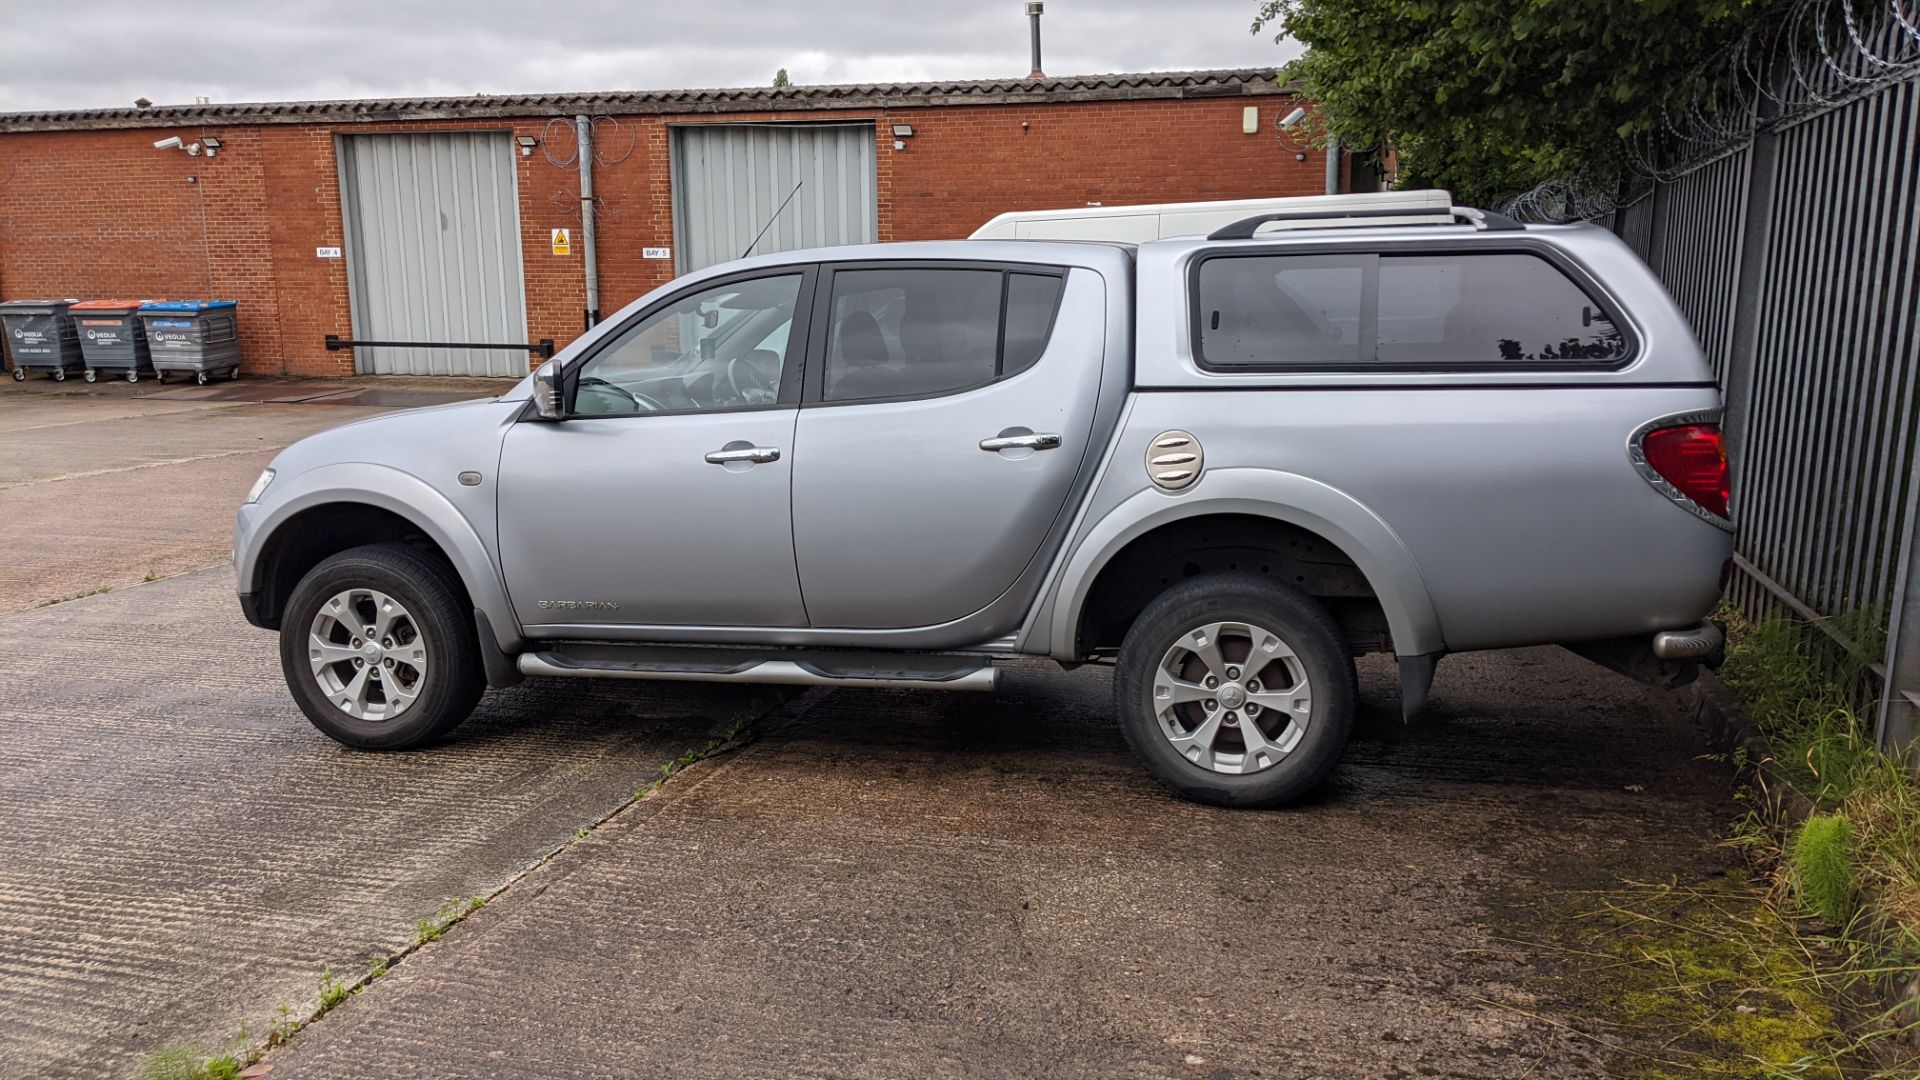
1040	440
758	455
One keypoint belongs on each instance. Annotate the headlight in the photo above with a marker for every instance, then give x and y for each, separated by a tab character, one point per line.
260	486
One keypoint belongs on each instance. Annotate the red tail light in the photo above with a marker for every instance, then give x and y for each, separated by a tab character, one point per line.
1693	459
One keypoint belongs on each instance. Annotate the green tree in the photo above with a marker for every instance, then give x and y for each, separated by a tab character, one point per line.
1488	97
780	78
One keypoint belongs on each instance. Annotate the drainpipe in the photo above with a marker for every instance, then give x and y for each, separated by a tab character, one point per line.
1033	17
583	132
1333	167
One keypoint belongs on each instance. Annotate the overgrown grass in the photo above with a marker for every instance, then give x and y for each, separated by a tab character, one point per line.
1820	866
1853	867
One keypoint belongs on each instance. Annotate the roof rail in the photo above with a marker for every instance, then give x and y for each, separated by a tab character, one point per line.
1484	220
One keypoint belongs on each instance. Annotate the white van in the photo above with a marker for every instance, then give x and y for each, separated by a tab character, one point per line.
1139	224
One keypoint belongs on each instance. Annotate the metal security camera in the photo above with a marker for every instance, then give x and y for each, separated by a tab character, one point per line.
170	143
1292	118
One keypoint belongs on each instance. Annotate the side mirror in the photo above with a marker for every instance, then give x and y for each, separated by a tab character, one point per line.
548	401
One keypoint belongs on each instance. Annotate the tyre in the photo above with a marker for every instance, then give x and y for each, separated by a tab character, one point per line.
1236	690
133	375
378	648
92	375
59	374
19	373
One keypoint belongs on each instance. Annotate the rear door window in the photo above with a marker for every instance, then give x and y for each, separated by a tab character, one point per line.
1405	311
912	332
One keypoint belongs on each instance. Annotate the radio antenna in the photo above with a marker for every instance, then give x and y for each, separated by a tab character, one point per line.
771	220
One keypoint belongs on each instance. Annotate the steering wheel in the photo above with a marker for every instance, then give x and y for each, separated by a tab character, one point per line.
602	388
750	385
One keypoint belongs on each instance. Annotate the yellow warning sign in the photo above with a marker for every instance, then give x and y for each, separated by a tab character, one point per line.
563	241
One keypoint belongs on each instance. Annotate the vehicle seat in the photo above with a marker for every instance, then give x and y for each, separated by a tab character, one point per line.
866	361
945	349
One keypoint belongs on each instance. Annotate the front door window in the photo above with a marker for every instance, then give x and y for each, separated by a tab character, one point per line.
721	348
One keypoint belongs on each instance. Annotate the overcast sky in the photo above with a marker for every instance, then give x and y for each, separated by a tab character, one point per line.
103	53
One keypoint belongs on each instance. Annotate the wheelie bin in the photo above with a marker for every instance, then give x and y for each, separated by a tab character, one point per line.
112	337
41	337
197	337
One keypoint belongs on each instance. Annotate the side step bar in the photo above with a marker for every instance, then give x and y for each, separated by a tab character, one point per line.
672	663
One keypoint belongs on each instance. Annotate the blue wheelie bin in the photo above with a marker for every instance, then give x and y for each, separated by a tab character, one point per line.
197	337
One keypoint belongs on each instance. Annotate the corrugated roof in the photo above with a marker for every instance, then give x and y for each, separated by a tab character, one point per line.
1160	84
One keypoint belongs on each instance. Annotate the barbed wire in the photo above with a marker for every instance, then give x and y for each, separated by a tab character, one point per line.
1815	55
614	141
605	210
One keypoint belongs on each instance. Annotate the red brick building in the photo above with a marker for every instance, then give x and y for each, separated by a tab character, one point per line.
89	207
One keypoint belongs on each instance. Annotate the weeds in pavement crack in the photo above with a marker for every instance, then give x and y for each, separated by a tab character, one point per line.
436	925
179	1063
332	991
76	596
671	768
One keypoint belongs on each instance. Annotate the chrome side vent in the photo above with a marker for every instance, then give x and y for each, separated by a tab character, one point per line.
1174	460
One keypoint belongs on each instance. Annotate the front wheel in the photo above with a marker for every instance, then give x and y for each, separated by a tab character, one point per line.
1236	691
378	649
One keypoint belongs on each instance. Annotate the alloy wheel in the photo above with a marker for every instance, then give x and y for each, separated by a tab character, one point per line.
1232	697
368	654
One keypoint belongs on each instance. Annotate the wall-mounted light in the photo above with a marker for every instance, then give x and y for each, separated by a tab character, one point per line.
527	143
212	144
903	131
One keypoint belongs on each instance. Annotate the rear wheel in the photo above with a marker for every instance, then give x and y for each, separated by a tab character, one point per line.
378	648
1236	691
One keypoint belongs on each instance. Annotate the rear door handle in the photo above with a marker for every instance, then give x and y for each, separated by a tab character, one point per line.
759	455
1041	440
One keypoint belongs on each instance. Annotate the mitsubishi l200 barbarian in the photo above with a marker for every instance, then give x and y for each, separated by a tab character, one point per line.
1226	465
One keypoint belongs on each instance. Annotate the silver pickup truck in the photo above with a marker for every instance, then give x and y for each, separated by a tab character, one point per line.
1225	465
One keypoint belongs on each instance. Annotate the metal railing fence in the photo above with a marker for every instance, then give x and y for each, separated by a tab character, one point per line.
1796	257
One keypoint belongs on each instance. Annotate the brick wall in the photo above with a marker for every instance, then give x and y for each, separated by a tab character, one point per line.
101	213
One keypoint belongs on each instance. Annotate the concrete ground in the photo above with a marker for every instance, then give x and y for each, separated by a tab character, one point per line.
880	883
180	852
112	483
909	883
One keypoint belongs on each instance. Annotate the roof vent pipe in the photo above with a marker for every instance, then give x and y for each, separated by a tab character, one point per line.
1034	8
